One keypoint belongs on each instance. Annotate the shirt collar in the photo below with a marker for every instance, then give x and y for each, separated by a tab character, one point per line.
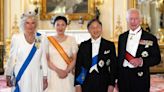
135	31
96	41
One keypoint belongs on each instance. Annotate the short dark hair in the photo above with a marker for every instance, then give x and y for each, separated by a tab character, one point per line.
93	20
59	18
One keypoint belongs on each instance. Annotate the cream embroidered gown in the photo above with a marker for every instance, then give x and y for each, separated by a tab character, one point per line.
31	80
55	84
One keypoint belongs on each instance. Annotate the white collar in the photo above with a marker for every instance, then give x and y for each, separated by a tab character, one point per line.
96	41
135	31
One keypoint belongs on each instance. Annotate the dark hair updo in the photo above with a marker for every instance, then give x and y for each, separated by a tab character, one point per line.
54	19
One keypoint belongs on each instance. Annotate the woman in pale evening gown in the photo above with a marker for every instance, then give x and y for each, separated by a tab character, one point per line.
27	46
60	76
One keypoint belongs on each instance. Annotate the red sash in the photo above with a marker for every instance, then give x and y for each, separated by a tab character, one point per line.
128	56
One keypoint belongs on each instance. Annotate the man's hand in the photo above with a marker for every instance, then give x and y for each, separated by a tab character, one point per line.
136	62
110	88
78	88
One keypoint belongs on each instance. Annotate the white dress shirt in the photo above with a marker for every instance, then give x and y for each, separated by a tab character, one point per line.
95	46
95	51
132	44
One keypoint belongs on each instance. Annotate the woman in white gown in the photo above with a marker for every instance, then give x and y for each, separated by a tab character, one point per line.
22	44
60	77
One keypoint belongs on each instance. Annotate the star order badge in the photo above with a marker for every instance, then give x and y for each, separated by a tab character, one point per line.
101	63
140	74
144	54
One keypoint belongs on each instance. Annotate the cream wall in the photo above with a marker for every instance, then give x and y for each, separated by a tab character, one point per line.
109	12
120	9
107	15
12	8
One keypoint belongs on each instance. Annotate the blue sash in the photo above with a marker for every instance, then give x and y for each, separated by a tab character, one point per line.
80	79
94	60
24	66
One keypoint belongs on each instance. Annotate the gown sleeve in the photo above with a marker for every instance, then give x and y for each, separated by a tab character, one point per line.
74	46
43	58
12	56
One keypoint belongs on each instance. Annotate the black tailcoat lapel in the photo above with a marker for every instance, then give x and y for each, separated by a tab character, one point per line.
122	47
88	54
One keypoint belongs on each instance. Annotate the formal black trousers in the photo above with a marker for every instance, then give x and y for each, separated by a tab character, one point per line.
130	81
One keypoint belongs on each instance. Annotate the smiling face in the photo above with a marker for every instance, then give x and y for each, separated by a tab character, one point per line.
95	29
30	25
60	26
133	19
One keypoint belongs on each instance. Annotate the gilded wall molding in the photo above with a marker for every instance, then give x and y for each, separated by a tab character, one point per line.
113	18
132	4
1	35
2	21
9	32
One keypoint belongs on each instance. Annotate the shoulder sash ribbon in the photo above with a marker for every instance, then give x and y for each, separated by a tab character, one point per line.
128	56
81	77
24	66
59	49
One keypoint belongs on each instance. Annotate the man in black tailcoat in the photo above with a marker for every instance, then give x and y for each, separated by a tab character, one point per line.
137	51
95	69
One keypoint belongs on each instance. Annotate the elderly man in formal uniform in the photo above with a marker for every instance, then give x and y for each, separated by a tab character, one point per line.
137	51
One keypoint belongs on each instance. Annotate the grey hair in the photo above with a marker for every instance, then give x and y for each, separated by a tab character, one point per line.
26	16
132	10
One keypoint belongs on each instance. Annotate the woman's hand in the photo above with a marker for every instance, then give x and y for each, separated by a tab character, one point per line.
61	73
8	81
45	83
